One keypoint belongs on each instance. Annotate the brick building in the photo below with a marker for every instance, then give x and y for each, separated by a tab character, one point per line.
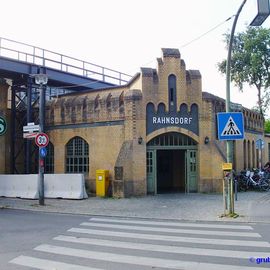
155	134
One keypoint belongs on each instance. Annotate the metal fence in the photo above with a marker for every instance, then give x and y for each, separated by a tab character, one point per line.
31	54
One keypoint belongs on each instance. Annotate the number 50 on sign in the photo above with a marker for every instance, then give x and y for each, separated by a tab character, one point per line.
42	140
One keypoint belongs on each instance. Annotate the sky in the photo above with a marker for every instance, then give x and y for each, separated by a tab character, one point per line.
125	34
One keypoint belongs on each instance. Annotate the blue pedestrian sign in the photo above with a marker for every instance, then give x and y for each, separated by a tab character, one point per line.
230	126
43	152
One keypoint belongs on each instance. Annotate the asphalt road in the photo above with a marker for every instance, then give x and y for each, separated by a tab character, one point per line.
21	231
38	240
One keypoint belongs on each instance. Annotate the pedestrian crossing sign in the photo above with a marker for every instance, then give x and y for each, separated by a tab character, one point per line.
230	126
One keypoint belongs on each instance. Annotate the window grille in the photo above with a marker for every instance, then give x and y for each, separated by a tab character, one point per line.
49	159
172	139
77	156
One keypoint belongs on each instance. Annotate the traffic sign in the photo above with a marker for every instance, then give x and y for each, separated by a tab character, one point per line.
43	151
42	140
259	144
230	126
31	127
3	125
30	135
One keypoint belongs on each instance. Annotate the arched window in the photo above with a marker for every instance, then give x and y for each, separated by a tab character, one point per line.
77	156
184	108
49	159
96	102
248	154
109	101
257	158
161	108
172	92
150	108
121	99
245	153
253	154
84	109
172	139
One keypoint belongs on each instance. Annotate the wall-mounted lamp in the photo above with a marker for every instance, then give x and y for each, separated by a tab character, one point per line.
206	140
140	140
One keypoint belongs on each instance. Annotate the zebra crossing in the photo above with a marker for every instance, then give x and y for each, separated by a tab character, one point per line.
130	243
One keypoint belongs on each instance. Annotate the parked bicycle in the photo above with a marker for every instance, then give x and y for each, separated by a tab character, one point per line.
252	179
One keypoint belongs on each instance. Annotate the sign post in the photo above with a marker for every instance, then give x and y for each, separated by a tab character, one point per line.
230	128
263	8
41	140
30	131
42	80
260	146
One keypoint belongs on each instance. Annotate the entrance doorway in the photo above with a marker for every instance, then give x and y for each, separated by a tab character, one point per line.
171	173
171	164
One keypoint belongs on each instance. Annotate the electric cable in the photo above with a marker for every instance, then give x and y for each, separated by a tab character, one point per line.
182	46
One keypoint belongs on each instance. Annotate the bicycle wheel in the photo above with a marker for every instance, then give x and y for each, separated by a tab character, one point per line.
242	185
264	186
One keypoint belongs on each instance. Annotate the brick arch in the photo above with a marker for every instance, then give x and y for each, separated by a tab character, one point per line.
67	140
186	132
161	107
151	106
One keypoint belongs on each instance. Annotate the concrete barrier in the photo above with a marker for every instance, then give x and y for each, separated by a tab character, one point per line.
66	186
20	185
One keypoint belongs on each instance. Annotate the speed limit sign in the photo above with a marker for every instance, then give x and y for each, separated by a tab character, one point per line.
42	140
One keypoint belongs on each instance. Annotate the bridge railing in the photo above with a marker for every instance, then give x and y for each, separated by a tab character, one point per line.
31	54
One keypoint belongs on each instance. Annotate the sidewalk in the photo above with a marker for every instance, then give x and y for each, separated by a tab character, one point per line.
251	206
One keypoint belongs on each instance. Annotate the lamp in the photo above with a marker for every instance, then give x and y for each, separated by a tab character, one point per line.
140	140
206	140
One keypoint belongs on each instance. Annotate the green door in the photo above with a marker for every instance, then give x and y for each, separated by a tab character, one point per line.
151	171
191	171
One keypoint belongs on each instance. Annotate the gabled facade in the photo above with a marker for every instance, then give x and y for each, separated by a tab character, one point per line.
156	134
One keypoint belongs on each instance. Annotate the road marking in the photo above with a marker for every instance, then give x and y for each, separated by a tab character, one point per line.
169	230
226	242
163	248
175	224
48	264
137	260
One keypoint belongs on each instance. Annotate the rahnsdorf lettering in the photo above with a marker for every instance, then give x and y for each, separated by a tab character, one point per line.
172	120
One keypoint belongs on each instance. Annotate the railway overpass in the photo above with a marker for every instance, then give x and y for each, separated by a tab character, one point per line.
19	62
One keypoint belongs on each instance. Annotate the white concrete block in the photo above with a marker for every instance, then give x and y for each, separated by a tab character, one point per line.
20	185
66	186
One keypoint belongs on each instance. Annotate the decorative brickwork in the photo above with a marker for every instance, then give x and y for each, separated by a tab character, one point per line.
114	124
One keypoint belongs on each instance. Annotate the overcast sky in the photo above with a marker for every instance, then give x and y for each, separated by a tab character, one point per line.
126	34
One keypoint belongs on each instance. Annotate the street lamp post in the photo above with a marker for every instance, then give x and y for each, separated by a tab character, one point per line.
229	143
263	13
41	80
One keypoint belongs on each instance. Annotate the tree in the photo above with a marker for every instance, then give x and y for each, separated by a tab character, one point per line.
267	126
250	62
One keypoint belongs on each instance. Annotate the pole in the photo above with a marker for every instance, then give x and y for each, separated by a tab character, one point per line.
41	159
228	101
29	119
260	155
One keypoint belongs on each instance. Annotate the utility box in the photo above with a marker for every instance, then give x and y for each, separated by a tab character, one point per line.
102	182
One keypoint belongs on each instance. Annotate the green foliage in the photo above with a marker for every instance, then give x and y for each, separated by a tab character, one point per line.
267	126
251	61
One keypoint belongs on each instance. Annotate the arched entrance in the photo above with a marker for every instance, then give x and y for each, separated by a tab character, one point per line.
171	164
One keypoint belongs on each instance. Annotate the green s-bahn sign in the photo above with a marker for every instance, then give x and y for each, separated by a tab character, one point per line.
3	125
